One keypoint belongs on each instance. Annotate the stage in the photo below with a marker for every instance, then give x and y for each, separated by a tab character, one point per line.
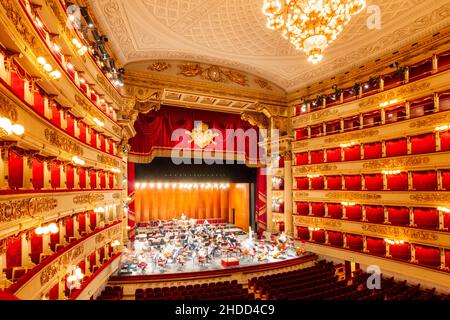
158	250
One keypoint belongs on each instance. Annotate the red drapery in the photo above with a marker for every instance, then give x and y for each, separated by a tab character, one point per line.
334	183
376	246
375	214
155	130
397	182
355	242
37	174
54	292
14	252
302	208
70	124
131	181
39	101
302	183
111	146
54	240
334	155
445	179
335	238
93	179
303	233
301	158
93	220
102	143
354	212
15	169
398	215
18	82
82	128
318	209
70	177
352	182
373	182
423	144
397	147
445	140
428	256
111	180
425	180
82	223
316	157
55	173
301	134
92	261
93	138
318	236
400	251
102	180
335	210
372	150
352	153
69	228
82	177
56	115
426	218
261	200
317	183
36	247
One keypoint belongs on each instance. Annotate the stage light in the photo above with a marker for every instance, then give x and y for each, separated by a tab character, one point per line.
143	185
151	185
137	185
174	185
166	185
159	185
216	185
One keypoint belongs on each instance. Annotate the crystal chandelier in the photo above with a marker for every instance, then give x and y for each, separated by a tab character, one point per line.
311	25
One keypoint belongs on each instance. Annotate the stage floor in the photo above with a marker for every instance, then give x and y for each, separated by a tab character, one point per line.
192	265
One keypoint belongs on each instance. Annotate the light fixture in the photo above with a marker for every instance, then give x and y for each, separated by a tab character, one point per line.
387	103
348	204
99	210
82	49
444	209
115	243
313	176
311	25
392	242
442	128
7	128
390	172
69	66
55	74
115	170
56	47
78	161
313	229
74	278
38	23
98	122
41	60
346	145
51	228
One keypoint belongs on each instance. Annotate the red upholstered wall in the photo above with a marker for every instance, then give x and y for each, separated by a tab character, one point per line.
426	218
355	242
423	143
302	183
318	236
425	180
396	147
301	158
372	150
317	183
335	238
374	182
353	182
15	169
354	212
38	174
334	155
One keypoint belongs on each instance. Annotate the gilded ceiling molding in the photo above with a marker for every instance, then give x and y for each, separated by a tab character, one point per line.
255	119
159	66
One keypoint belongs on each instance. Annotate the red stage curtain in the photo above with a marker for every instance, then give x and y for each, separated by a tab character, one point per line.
69	228
317	183
355	242
82	128
18	82
14	252
70	177
318	236
400	251
445	140
334	182
82	223
261	199
15	169
445	179
39	101
55	173
335	238
397	182
352	153
301	158
426	218
376	246
70	124
428	256
397	147
301	134
155	129
375	214
354	212
425	180
334	155
37	244
302	183
352	182
398	215
93	220
374	182
335	210
111	180
82	177
56	115
423	143
37	174
318	209
302	208
316	157
372	150
92	179
303	233
93	138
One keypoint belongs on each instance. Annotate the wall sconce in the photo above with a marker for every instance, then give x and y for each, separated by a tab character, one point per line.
115	243
392	242
99	210
387	103
115	170
51	228
346	145
390	172
74	278
7	128
98	122
82	49
313	229
444	209
54	74
442	128
313	175
348	204
78	161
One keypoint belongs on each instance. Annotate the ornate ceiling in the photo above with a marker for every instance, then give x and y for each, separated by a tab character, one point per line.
232	33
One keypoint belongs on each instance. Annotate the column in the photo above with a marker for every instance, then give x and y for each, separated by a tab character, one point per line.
361	145
408	109
410	181
270	224
363	182
441	220
408	144
76	227
434	61
48	108
383	116
310	234
388	254
344	212
46	243
386	215
76	178
64	120
364	216
383	148
411	217
309	183
436	102
342	182
88	222
326	237
2	260
413	253
406	79
310	213
341	122
309	131
76	128
345	240
326	210
361	118
385	181
288	223
437	139
381	84
309	157
365	244
442	258
62	232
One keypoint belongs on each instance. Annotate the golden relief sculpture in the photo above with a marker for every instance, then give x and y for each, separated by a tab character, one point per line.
400	232
63	142
62	262
88	198
352	136
212	73
190	69
18	209
319	115
116	195
263	84
317	222
108	160
430	197
433	120
315	168
345	195
299	194
394	94
201	135
409	161
255	119
7	109
99	238
159	66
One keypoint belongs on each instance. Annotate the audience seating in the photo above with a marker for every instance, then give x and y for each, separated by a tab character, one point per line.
111	293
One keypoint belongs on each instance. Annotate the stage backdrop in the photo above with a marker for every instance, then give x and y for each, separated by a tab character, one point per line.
166	202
